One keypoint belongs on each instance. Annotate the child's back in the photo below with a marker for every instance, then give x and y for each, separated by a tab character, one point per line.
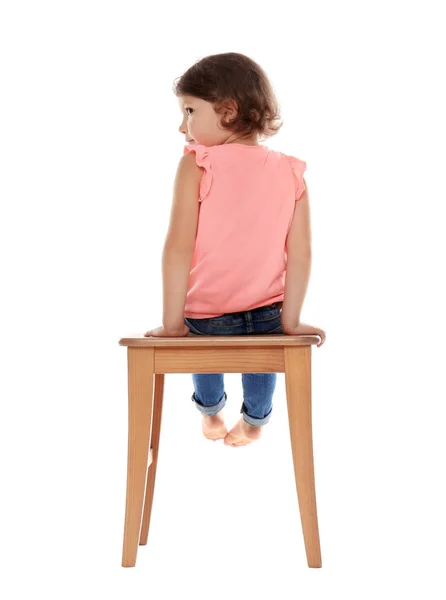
247	201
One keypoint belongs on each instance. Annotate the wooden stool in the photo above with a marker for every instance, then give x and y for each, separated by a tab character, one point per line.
149	358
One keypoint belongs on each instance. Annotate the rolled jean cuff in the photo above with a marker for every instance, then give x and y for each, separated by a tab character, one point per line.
210	410
255	422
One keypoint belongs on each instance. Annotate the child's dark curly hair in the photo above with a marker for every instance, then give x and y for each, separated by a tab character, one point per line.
220	77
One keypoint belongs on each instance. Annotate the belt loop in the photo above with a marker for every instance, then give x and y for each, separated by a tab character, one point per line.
248	322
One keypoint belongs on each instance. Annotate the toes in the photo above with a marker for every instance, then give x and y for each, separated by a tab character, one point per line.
215	435
231	440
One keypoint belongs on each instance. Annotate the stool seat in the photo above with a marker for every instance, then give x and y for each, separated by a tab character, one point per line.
236	341
150	358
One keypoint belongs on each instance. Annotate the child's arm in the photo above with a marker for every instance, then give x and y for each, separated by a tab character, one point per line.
298	245
180	241
176	270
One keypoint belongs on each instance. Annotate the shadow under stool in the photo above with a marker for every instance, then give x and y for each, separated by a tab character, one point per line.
149	358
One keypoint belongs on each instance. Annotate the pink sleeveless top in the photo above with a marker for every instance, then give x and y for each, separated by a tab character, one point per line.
247	197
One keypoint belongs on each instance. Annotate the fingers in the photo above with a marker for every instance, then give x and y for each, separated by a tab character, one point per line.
322	336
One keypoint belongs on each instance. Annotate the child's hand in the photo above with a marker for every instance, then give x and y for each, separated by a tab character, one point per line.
162	332
304	329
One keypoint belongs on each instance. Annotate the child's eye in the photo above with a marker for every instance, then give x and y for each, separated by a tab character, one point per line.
188	108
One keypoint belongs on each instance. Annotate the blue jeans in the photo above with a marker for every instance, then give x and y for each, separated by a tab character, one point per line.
258	388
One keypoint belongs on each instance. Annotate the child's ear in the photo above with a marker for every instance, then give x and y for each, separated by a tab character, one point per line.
230	109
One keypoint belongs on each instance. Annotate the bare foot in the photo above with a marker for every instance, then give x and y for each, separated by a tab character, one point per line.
214	427
242	434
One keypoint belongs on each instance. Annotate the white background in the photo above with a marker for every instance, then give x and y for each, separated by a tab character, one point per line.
89	148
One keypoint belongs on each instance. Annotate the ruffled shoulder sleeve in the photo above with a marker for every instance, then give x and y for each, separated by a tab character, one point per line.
298	168
203	160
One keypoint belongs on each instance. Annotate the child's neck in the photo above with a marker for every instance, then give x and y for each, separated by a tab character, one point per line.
248	141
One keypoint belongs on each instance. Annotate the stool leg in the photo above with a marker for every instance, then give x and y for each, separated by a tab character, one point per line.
154	444
298	392
140	390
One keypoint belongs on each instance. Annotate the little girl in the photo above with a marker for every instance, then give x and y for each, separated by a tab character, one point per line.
237	254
